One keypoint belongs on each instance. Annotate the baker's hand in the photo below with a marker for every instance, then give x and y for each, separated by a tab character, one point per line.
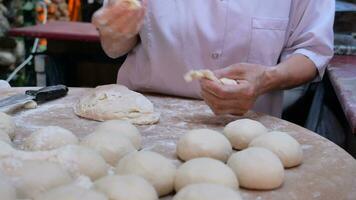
234	99
120	19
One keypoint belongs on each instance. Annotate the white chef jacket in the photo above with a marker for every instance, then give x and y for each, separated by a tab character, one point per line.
182	35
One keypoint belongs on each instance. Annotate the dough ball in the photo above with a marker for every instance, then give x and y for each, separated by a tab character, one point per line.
123	128
204	143
115	101
241	132
227	81
110	145
7	191
4	137
7	125
155	168
128	187
205	191
31	178
257	168
81	161
71	192
30	105
283	145
48	138
205	170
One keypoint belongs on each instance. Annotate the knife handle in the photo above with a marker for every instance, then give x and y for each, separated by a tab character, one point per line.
48	93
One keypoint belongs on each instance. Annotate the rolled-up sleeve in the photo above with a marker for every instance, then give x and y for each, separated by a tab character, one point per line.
311	33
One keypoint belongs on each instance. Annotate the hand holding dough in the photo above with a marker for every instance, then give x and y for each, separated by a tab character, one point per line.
207	74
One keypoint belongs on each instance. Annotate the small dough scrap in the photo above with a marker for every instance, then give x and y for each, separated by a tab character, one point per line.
124	128
48	138
283	145
204	143
155	168
71	192
4	137
30	105
31	178
241	132
7	125
127	187
205	191
205	170
257	168
114	101
110	145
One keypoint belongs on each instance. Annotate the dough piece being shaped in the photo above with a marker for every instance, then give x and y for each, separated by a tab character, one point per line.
205	191
155	168
110	145
204	143
31	178
116	102
4	137
283	145
241	132
7	125
128	187
205	170
71	192
123	128
207	74
48	138
7	191
257	168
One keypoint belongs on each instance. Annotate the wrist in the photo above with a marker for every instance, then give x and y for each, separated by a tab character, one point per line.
271	80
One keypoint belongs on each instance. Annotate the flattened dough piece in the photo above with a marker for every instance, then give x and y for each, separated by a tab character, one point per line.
207	74
114	101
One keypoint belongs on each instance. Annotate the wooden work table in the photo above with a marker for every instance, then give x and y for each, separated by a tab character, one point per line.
327	172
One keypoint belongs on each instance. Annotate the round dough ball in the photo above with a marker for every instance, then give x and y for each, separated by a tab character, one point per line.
31	178
7	191
71	192
204	143
257	168
4	137
205	191
155	168
48	138
7	125
82	161
241	132
128	187
205	170
30	105
124	128
110	145
283	145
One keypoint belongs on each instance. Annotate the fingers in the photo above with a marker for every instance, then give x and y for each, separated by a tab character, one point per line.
232	71
219	90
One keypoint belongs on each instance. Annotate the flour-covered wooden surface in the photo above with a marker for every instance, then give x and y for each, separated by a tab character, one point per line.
327	172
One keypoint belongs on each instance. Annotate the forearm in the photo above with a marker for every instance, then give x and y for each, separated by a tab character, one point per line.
116	48
293	72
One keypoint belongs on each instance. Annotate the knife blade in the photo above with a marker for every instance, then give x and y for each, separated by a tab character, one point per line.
41	95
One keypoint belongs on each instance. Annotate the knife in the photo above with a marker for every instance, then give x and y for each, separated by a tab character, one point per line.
41	95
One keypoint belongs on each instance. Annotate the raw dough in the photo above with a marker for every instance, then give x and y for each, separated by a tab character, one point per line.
4	137
7	191
7	125
123	128
116	102
204	143
30	105
241	132
6	150
207	74
155	168
257	168
283	145
31	178
110	145
204	191
205	170
128	187
71	192
48	138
